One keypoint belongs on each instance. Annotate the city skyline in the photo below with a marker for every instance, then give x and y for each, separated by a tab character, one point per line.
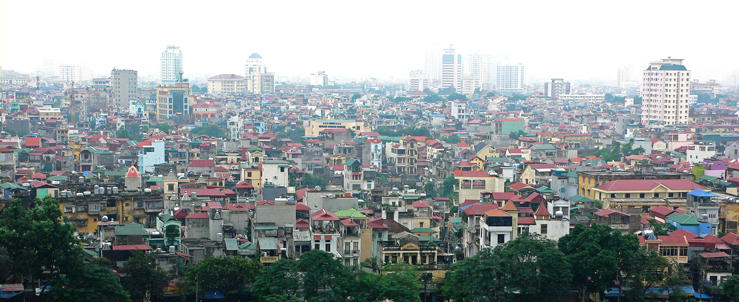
369	48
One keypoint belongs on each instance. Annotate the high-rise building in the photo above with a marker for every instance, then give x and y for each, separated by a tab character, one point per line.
477	69
418	81
509	79
173	101
125	86
665	92
171	64
319	79
623	76
70	73
258	80
556	87
451	70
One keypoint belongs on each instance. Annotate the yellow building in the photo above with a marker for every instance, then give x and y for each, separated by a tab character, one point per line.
644	193
313	127
86	212
410	253
588	180
252	174
728	217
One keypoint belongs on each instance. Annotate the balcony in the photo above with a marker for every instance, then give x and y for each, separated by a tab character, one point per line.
268	259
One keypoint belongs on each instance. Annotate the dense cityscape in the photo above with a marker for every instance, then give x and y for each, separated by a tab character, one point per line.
465	181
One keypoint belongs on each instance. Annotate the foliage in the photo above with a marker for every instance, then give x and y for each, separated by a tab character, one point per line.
526	269
37	240
432	97
89	283
517	134
731	287
209	130
142	279
447	189
430	189
311	181
131	131
222	273
412	131
661	229
616	151
356	96
294	133
600	254
401	284
164	127
324	278
456	96
401	99
280	279
452	139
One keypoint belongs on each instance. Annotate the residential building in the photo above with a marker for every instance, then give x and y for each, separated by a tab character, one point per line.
697	153
171	66
418	81
588	180
509	79
313	128
151	154
556	87
319	79
276	172
226	84
258	80
124	84
665	92
70	73
471	184
644	193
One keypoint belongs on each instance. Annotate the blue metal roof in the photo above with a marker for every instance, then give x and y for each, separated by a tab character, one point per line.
702	193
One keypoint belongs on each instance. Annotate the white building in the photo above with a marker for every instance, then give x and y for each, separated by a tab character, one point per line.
459	110
319	79
583	98
696	153
125	86
477	69
665	92
451	70
171	66
418	81
509	79
276	172
151	156
70	73
226	84
556	88
258	80
235	126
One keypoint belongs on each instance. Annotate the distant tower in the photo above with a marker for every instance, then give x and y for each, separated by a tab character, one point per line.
258	80
133	179
509	79
665	92
125	86
451	69
171	64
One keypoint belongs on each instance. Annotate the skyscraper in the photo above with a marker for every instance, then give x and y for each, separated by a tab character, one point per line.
319	79
171	64
451	70
665	92
70	73
556	87
258	80
509	79
477	68
124	83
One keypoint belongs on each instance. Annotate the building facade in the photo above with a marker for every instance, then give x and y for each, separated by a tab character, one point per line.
451	70
171	66
226	84
509	79
665	92
124	86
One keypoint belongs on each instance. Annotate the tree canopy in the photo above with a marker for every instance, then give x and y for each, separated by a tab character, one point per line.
142	279
223	274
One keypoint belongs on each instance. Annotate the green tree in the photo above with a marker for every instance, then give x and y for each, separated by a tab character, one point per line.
142	279
448	186
430	189
280	279
537	269
477	278
400	283
324	278
731	287
225	274
40	246
600	254
452	139
645	271
456	96
209	130
89	283
164	127
661	229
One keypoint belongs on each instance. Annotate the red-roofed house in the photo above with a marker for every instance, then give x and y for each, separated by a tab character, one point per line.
643	193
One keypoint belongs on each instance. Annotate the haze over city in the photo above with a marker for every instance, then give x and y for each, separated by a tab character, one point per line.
578	40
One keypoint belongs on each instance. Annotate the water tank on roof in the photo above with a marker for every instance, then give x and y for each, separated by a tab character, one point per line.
559	214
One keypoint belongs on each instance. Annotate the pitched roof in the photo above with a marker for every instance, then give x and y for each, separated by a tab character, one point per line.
731	238
420	204
202	163
519	185
526	220
323	215
662	210
542	210
496	213
479	209
349	222
648	184
460	173
132	247
509	206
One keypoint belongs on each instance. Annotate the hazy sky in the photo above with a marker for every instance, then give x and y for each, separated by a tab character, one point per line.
577	40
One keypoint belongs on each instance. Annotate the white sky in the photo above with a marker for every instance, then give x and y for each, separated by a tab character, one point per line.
577	40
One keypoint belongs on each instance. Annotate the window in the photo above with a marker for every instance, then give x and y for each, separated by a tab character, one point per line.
543	229
248	174
501	238
421	224
282	169
356	246
317	246
641	195
328	247
170	187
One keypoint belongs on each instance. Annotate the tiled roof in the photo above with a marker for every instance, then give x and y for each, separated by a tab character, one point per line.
459	173
496	213
479	209
648	184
